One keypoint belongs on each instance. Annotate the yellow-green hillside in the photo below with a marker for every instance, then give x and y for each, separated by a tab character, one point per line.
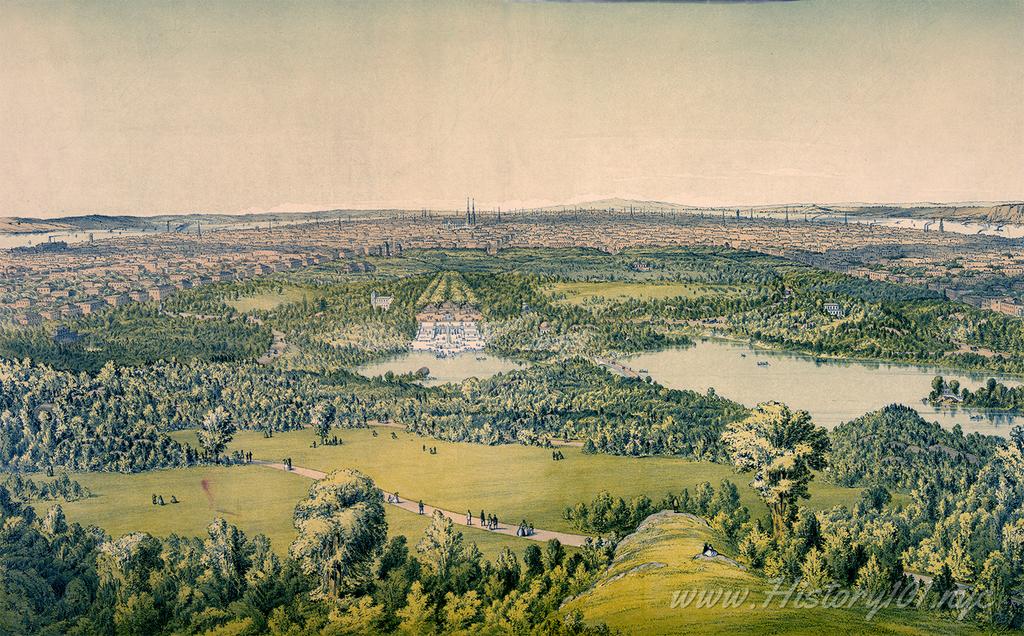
655	568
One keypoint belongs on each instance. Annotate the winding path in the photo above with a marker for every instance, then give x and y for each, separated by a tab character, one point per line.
413	506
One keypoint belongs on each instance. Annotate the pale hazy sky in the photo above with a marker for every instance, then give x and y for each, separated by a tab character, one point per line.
153	107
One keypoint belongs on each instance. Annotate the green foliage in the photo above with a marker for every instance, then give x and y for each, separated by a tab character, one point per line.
63	488
782	449
575	399
215	432
139	334
896	448
341	532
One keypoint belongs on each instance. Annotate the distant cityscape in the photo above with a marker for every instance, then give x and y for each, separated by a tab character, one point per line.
56	280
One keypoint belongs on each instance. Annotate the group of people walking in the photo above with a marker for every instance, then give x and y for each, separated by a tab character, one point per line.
490	522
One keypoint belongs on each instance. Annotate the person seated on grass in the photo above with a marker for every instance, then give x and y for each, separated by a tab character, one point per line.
154	499
174	499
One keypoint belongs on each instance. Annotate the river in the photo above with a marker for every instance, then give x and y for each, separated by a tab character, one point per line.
831	391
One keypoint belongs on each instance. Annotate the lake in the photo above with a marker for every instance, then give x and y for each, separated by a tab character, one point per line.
831	391
442	370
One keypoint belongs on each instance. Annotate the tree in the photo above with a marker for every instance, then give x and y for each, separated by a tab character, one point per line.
872	579
360	618
320	418
341	531
55	523
460	611
506	569
137	616
815	577
532	560
782	448
553	554
416	616
1017	436
875	497
994	584
216	432
441	547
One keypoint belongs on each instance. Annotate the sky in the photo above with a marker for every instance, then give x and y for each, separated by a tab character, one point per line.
152	107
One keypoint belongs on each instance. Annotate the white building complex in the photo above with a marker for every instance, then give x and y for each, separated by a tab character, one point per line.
449	329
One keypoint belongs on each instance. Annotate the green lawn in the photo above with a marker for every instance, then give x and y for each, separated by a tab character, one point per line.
268	300
255	499
656	562
581	292
515	482
258	500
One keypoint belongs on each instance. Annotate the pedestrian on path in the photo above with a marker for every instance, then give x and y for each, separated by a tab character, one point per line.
469	518
421	506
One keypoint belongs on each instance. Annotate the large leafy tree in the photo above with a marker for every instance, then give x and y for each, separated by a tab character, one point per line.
341	532
216	432
782	448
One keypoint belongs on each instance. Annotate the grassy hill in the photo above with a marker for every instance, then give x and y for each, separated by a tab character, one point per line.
655	569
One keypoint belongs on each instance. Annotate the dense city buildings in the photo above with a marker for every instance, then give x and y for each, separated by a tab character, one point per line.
56	280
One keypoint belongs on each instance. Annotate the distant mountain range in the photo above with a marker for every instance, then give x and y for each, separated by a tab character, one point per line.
176	222
982	212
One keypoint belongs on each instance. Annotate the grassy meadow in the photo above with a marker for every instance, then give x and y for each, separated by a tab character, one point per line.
515	482
258	500
268	300
656	562
580	292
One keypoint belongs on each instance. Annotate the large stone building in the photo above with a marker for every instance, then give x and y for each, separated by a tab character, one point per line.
448	329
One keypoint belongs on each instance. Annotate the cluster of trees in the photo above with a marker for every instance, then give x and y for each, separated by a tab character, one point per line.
968	531
575	399
66	579
991	395
377	585
63	487
342	576
54	418
895	447
607	515
138	334
448	286
115	420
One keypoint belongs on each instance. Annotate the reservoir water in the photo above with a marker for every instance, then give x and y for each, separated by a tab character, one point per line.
442	370
831	391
